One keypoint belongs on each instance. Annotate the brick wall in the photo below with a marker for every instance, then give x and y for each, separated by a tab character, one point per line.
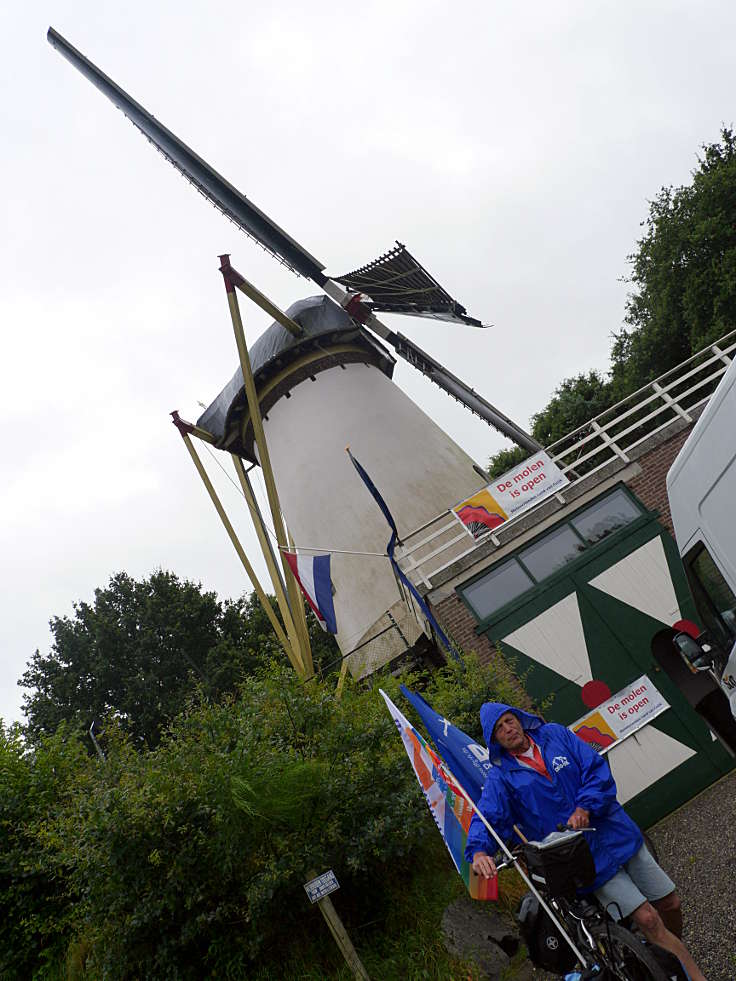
459	623
650	486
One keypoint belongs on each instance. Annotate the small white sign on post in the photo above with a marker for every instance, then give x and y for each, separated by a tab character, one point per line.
510	494
322	886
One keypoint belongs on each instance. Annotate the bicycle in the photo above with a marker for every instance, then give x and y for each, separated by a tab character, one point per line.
585	935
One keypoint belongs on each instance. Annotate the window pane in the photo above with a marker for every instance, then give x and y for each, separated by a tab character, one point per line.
552	552
499	587
606	516
721	619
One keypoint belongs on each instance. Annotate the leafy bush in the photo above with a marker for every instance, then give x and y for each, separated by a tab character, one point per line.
188	860
36	910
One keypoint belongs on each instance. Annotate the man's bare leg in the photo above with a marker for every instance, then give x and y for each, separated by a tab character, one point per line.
670	910
651	925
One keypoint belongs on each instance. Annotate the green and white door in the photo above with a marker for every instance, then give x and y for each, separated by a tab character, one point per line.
581	604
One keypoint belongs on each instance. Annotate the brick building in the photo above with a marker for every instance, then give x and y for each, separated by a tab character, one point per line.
579	594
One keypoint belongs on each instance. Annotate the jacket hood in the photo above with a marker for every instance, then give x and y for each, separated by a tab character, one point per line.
491	712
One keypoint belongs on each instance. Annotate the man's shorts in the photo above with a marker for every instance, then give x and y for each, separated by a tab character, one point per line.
638	880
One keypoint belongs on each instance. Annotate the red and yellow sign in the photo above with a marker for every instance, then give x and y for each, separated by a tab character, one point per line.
510	494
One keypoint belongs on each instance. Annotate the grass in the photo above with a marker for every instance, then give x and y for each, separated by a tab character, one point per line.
406	943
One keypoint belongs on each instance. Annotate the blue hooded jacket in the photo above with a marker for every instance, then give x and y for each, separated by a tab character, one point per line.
514	794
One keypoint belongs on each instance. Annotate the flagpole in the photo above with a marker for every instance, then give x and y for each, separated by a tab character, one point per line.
398	572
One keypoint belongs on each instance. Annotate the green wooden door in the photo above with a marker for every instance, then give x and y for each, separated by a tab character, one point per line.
595	620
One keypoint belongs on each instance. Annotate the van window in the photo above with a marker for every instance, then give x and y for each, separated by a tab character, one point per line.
715	601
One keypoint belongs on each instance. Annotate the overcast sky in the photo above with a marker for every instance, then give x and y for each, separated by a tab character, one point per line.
512	147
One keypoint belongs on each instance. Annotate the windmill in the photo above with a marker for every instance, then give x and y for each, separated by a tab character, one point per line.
323	378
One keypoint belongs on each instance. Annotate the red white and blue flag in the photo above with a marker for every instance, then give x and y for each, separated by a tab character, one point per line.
312	572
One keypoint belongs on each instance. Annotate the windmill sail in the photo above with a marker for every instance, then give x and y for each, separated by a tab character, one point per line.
213	186
258	226
398	283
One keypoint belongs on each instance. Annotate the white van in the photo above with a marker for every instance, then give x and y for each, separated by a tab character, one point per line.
701	486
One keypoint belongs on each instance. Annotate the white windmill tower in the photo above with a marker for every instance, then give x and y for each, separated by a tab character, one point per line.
329	387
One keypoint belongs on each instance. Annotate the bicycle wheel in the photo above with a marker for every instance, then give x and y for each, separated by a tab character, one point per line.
624	956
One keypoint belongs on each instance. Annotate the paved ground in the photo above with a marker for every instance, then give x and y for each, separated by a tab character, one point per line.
697	848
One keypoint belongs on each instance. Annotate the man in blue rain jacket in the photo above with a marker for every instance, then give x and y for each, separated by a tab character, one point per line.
543	775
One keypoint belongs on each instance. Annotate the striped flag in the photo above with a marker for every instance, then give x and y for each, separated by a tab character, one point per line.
312	572
450	810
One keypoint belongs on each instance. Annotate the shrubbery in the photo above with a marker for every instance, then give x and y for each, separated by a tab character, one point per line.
188	860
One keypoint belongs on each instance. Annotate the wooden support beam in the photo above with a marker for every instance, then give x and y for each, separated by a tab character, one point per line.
229	275
289	617
300	615
265	603
341	679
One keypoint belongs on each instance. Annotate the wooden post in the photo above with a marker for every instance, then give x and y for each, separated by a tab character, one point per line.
268	609
254	410
288	615
300	615
295	597
341	938
341	679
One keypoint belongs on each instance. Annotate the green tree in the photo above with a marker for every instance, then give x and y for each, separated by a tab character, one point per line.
258	637
683	272
683	297
36	908
505	459
138	651
575	401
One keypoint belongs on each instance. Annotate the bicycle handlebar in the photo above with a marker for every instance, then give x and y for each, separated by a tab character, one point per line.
506	862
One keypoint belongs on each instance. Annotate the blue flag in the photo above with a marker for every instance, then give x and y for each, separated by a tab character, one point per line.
421	602
466	758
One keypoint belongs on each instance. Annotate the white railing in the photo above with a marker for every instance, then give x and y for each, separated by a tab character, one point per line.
616	433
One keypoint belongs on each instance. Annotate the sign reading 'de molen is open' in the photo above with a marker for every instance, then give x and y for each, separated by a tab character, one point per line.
621	715
510	494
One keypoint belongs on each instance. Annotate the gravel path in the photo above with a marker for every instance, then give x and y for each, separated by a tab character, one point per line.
697	848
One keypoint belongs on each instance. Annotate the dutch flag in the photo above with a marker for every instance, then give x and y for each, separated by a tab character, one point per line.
313	575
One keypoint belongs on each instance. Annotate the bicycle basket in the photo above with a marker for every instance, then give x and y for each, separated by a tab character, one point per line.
562	867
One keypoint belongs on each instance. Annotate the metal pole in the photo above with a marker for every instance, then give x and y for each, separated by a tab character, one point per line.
254	409
268	609
96	744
